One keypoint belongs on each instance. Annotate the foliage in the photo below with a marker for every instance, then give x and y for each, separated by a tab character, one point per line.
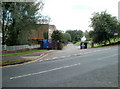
104	26
57	39
45	34
23	53
17	18
76	35
57	36
66	37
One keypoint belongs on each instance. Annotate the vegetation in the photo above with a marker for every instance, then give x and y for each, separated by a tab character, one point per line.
23	53
60	39
76	35
104	27
11	62
57	39
57	36
17	20
66	37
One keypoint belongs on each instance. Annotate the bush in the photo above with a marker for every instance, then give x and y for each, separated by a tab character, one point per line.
60	46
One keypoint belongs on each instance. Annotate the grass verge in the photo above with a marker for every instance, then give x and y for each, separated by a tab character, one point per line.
23	53
88	45
11	62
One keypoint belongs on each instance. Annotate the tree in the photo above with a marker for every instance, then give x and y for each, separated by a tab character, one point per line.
45	34
66	37
57	39
90	34
56	36
17	21
104	26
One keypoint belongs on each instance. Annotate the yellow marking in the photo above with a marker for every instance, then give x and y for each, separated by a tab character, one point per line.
25	62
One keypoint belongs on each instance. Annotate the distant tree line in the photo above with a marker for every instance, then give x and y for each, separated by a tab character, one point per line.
76	35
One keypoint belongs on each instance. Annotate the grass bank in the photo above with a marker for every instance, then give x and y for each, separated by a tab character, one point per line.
23	53
88	45
12	62
113	42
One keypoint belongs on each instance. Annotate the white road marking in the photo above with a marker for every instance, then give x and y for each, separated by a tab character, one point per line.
45	71
47	59
54	57
63	56
79	54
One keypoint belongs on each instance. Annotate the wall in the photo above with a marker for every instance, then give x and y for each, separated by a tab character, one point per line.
11	48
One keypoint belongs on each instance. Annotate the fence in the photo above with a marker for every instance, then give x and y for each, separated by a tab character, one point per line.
11	48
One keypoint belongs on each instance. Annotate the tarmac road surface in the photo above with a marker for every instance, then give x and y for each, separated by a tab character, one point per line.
93	69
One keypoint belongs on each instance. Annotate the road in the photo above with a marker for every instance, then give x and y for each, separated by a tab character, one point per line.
98	68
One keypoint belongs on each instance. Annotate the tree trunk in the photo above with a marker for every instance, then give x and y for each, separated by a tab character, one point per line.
109	41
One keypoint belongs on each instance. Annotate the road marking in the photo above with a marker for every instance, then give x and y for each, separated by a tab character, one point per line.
54	58
44	71
63	56
47	59
107	57
79	54
32	61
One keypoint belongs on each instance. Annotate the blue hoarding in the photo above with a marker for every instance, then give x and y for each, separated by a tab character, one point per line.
45	43
50	44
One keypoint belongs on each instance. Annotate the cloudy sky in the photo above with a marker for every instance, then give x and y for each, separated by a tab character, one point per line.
76	14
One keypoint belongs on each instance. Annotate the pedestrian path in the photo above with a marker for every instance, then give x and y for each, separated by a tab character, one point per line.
30	56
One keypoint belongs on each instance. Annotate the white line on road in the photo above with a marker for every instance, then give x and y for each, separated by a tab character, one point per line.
45	71
54	58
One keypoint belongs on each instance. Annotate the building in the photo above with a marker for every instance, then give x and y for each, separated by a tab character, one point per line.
39	34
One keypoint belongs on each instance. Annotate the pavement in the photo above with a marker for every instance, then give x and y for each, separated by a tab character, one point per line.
26	57
96	67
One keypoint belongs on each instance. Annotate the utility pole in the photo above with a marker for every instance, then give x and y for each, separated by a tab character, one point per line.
119	11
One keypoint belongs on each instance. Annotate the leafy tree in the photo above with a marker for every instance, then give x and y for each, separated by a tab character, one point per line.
104	26
90	34
57	36
66	37
57	39
18	18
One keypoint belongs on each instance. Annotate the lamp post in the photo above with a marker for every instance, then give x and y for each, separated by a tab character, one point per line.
119	11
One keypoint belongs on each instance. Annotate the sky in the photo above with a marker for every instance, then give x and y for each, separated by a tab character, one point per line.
76	14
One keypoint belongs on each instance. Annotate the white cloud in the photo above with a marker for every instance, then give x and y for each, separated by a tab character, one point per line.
75	14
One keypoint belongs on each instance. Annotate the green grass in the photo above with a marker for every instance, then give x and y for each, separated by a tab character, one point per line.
78	44
23	53
96	45
11	61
